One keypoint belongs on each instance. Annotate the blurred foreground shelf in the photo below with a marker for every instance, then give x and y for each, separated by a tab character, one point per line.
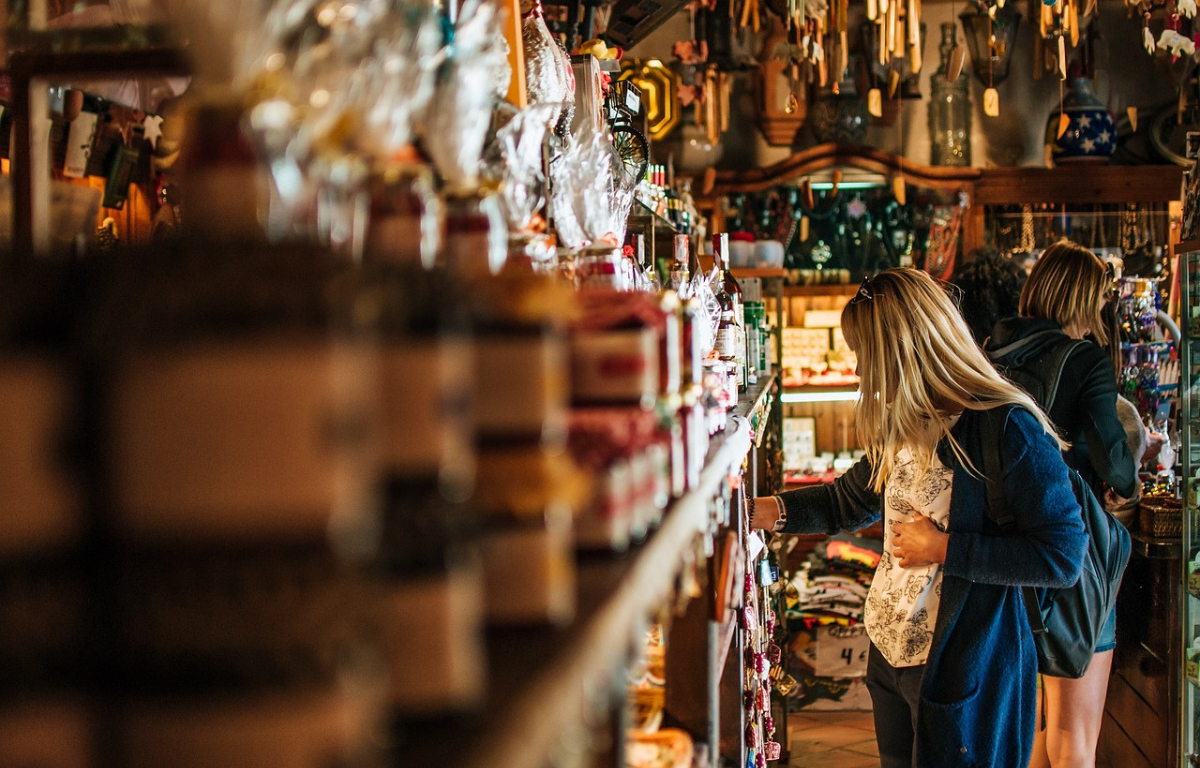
547	684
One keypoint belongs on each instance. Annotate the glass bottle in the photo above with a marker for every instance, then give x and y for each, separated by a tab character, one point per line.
679	267
728	281
949	110
728	286
728	339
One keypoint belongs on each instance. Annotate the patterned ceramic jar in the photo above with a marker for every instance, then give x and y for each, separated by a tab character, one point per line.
1091	135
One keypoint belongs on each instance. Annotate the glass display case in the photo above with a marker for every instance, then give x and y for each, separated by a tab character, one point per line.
1190	462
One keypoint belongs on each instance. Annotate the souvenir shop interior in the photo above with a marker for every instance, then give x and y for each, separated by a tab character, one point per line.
385	382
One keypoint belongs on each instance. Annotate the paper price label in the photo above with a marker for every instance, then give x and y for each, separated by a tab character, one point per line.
842	651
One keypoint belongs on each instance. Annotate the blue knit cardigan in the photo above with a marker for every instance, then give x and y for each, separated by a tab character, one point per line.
978	693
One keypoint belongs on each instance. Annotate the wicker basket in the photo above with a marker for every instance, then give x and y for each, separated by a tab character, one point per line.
1161	517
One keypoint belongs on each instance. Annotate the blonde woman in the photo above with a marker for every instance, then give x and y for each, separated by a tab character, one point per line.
1063	301
952	667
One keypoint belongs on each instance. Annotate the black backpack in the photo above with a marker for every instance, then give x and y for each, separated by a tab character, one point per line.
1071	619
1050	361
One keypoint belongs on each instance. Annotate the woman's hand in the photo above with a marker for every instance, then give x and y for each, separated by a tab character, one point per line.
1115	502
766	513
919	542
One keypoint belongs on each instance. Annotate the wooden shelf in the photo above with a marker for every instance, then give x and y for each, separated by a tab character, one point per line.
819	290
788	388
643	213
543	682
1079	184
1186	246
759	273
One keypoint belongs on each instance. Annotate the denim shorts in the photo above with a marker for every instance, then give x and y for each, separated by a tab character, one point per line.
1108	636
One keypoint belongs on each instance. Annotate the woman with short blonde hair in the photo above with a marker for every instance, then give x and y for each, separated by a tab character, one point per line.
1069	285
1062	304
952	666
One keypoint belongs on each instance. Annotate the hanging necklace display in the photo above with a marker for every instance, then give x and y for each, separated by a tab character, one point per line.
1027	242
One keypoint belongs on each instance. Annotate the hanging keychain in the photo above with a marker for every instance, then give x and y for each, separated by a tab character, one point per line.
991	97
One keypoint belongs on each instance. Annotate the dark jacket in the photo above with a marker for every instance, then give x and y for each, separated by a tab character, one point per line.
1085	408
978	693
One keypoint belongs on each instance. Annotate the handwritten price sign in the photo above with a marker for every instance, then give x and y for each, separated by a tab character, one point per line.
842	651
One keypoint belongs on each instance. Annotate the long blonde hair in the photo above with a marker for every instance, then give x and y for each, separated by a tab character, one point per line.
1068	285
918	363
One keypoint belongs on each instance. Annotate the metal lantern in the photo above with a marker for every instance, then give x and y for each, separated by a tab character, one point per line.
991	34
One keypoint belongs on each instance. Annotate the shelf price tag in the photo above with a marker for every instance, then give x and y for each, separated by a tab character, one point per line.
842	651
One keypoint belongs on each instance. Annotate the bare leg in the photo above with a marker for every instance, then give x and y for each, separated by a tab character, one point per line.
1074	710
1039	758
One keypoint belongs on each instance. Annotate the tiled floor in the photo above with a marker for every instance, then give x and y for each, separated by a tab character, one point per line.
843	740
833	740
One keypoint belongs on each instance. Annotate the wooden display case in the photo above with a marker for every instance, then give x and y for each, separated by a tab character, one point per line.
1081	184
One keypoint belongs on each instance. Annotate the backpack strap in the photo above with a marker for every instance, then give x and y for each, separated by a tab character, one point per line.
1008	349
1054	365
991	433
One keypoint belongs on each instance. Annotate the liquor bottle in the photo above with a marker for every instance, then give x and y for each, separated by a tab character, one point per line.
720	243
729	292
728	338
755	321
645	261
680	272
727	349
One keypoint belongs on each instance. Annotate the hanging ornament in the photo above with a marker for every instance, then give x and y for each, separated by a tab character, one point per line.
991	103
913	22
107	239
1132	112
958	57
81	135
1064	122
1172	41
152	127
875	102
893	83
899	189
122	161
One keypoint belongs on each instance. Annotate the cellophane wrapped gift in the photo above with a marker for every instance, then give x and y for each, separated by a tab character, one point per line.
460	112
514	160
548	74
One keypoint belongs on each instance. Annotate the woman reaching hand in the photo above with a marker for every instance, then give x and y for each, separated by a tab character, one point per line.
952	667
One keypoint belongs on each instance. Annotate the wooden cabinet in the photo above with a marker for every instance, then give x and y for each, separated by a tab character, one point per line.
1074	185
